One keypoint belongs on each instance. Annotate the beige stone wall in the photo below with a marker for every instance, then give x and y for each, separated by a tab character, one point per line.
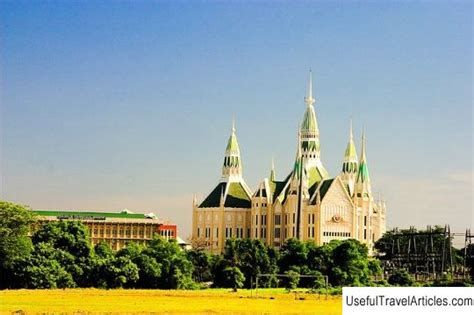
338	216
212	226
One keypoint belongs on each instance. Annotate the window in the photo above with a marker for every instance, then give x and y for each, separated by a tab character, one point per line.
198	232
294	218
256	219
277	219
365	234
365	220
277	232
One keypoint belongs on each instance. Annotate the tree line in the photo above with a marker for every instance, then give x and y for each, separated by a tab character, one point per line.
59	255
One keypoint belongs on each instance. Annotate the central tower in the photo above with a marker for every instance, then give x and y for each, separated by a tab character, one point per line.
310	143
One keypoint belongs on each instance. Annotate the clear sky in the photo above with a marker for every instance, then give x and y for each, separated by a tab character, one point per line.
112	105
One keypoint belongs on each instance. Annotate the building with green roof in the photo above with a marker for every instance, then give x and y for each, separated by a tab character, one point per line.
114	228
307	204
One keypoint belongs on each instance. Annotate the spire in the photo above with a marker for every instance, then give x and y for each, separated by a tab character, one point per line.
310	145
296	168
350	162
309	126
195	202
233	123
272	172
222	200
309	100
363	178
232	166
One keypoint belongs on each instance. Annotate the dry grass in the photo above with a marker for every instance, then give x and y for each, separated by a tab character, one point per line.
80	301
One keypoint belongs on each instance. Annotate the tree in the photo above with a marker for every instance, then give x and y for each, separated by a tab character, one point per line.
42	269
71	237
112	271
401	277
234	278
176	269
292	280
149	270
293	252
202	263
15	222
350	264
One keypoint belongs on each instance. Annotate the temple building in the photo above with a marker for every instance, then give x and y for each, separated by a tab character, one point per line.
308	204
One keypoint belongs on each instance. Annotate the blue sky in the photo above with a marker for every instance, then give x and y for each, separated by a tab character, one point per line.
112	105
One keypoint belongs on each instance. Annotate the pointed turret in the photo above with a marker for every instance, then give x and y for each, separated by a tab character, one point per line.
350	163
272	172
232	167
309	126
310	146
195	201
297	165
363	178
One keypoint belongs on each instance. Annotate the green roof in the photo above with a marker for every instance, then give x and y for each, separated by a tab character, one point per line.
363	174
236	197
232	144
323	189
350	150
309	120
213	200
58	213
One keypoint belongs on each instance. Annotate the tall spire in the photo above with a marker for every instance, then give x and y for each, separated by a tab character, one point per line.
310	145
296	168
232	167
309	100
350	163
363	178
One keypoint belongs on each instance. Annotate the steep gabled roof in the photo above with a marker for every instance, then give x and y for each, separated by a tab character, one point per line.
320	188
213	200
235	196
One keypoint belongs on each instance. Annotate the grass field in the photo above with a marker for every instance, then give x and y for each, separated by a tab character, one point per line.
80	301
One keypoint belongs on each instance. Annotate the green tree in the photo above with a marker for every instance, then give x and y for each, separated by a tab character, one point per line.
234	278
292	280
71	237
401	277
176	269
202	263
15	222
252	257
350	264
42	269
149	270
293	252
111	271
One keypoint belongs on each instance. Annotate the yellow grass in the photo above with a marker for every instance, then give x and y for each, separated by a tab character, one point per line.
80	301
